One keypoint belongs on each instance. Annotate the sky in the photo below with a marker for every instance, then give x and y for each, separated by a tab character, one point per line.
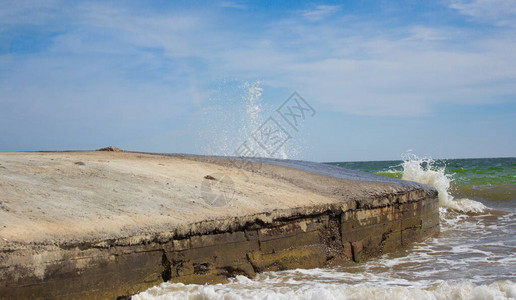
382	77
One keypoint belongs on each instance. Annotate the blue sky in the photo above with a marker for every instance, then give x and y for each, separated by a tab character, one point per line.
437	77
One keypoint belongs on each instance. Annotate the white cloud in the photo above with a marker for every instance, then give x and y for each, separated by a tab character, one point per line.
347	66
34	12
408	73
115	75
232	4
320	12
427	33
498	12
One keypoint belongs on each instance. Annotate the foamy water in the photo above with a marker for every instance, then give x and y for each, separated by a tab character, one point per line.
423	170
241	288
472	258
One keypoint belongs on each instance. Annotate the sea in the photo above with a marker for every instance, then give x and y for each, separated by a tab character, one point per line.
474	256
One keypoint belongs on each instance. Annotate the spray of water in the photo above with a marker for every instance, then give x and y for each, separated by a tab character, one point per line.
229	118
237	111
425	171
252	117
253	107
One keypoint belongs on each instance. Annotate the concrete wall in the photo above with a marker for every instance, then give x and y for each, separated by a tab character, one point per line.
307	237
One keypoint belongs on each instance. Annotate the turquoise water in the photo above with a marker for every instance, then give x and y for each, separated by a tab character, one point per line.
474	171
488	180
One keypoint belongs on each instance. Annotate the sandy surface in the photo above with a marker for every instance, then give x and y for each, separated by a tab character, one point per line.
62	196
47	196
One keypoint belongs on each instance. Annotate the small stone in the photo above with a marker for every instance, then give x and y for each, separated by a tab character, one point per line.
111	149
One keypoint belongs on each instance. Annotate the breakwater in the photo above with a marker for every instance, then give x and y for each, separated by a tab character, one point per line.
109	224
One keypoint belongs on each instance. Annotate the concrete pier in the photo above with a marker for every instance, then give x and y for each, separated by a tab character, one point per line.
103	224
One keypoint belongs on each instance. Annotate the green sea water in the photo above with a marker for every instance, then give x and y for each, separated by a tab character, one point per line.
483	179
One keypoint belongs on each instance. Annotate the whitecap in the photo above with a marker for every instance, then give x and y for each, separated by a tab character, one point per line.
425	171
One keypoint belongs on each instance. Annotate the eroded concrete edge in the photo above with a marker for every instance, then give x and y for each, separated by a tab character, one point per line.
212	251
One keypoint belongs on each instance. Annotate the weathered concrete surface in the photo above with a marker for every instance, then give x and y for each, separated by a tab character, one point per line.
105	224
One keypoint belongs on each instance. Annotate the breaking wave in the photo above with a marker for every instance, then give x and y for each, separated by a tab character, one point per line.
243	288
425	171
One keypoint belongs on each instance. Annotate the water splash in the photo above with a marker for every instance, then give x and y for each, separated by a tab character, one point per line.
237	111
253	117
425	171
230	116
254	107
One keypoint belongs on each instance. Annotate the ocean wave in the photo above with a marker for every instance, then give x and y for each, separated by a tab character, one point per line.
424	170
244	288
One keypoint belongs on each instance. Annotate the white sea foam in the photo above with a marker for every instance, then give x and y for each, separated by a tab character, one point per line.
244	288
423	170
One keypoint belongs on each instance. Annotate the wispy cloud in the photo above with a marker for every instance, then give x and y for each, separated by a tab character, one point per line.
103	56
428	33
320	12
31	12
233	4
498	12
406	72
